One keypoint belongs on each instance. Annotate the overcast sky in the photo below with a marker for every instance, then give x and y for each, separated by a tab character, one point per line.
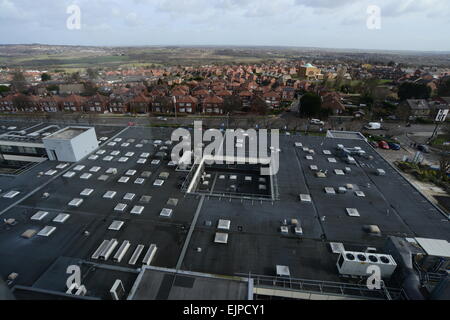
405	24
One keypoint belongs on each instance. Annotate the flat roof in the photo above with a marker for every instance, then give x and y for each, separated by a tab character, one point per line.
435	247
185	241
68	133
160	284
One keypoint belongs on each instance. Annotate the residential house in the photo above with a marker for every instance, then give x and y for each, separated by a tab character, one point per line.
288	94
140	104
272	99
97	103
162	104
213	105
415	108
72	103
333	103
186	104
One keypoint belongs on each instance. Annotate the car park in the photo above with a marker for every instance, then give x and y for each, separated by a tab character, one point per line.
317	122
394	146
383	145
423	148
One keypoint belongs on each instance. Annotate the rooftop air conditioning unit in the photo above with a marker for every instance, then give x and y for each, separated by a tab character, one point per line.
353	263
356	263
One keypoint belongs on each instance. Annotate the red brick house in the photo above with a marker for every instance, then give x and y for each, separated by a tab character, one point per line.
140	104
162	105
245	96
332	102
272	99
288	94
6	103
49	104
96	103
213	105
118	104
186	104
72	103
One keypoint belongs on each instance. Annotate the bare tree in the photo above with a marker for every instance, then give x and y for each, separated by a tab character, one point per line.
444	165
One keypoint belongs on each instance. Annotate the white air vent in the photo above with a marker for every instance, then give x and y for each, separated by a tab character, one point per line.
86	192
124	179
166	213
38	216
224	224
129	196
69	174
86	176
46	231
116	225
76	202
120	207
221	237
109	194
352	212
305	198
61	218
137	210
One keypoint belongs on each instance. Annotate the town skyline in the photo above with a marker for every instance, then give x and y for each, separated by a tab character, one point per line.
403	25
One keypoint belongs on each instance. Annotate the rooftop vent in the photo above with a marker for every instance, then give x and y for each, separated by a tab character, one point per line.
38	216
86	176
145	199
116	225
46	231
109	194
148	258
120	207
79	168
352	212
61	218
69	174
137	210
136	254
76	202
221	237
166	213
224	224
129	196
86	192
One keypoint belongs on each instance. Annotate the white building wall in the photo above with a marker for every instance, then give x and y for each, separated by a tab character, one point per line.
72	150
84	144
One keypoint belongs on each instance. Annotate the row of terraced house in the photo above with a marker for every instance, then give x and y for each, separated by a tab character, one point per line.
183	99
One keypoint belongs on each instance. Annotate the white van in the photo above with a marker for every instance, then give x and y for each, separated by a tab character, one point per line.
373	126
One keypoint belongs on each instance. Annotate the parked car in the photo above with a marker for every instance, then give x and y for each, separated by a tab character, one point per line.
373	144
373	126
317	122
394	146
383	145
423	148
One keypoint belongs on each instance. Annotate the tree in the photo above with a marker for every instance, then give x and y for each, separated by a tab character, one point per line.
231	104
310	105
74	77
259	105
45	77
18	81
340	77
4	89
444	87
444	165
411	90
92	73
53	87
90	89
21	101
